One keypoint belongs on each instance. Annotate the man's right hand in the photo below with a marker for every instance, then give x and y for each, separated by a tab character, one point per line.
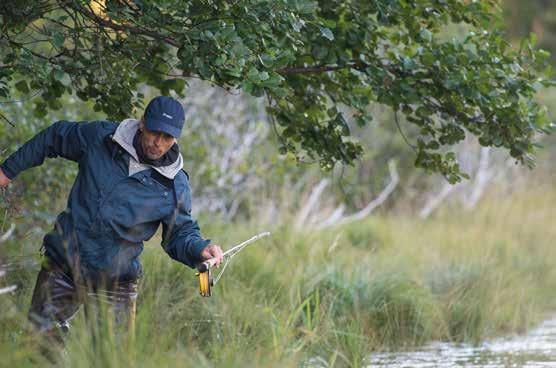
4	180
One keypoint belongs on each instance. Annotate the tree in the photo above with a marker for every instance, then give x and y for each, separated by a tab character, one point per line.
318	63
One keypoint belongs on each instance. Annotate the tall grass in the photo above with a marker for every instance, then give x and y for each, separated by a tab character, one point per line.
326	298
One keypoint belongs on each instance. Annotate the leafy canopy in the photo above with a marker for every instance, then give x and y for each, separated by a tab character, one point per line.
318	63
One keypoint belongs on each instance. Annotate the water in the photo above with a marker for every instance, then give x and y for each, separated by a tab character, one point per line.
535	349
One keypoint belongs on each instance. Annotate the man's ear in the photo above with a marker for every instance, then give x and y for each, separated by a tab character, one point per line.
141	125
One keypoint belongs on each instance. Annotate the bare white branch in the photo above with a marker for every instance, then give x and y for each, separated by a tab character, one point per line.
334	217
8	289
436	200
372	205
7	234
482	178
311	203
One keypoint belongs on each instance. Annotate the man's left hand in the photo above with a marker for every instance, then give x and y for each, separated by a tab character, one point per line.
212	251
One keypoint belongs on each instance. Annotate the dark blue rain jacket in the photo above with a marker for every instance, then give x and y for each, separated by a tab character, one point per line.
110	212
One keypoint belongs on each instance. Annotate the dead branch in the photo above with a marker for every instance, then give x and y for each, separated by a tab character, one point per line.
336	219
8	289
7	234
482	177
311	203
436	200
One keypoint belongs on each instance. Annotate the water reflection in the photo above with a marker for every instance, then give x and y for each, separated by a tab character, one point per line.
536	349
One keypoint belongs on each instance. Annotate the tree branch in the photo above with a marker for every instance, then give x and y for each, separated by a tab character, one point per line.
314	69
125	28
7	234
310	204
370	207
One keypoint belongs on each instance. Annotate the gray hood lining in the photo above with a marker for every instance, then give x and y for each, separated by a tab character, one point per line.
124	134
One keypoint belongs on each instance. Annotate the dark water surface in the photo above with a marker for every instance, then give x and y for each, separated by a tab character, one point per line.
535	349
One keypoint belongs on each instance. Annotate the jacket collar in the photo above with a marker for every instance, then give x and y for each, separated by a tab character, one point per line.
124	137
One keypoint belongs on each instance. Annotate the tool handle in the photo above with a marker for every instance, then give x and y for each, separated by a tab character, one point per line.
204	266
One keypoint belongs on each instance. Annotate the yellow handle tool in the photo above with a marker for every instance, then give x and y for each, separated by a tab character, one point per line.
205	277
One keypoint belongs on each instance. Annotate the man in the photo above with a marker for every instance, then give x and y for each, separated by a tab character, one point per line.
130	180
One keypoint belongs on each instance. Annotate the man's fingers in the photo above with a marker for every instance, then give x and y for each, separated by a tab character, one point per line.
216	252
213	251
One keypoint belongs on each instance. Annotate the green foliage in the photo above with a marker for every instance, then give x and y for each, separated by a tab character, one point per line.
319	64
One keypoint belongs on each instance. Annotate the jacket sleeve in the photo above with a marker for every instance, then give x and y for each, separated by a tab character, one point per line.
65	139
181	237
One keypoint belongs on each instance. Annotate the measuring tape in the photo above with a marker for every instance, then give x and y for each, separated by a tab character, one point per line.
206	282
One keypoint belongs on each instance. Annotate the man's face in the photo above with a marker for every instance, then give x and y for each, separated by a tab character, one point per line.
155	144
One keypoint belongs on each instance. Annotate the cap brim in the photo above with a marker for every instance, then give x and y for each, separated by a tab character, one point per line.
160	126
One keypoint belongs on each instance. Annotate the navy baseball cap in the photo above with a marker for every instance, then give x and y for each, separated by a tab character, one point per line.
164	114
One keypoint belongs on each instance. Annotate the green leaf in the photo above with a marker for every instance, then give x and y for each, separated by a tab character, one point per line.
58	39
247	87
425	35
21	86
533	38
253	75
62	77
327	33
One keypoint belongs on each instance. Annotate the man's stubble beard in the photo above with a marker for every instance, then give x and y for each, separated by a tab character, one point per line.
148	154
